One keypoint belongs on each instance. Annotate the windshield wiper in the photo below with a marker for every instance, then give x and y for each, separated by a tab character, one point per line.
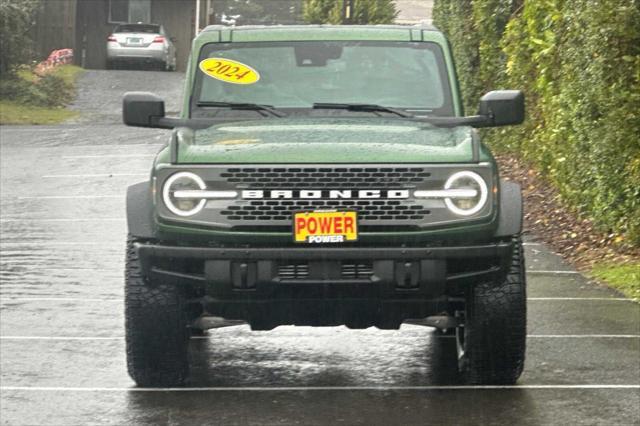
243	106
363	107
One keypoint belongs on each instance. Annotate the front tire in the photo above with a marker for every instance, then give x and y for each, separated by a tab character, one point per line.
157	336
491	345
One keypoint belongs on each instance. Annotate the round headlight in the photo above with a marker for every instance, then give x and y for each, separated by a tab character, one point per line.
466	180
183	181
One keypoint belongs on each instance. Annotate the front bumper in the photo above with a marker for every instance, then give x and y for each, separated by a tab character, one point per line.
379	286
150	53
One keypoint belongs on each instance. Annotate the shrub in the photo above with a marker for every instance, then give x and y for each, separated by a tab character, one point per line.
54	89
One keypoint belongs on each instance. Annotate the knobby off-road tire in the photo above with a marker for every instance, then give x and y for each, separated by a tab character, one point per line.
156	328
491	345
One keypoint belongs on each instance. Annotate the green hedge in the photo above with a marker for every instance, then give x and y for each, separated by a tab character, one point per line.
578	62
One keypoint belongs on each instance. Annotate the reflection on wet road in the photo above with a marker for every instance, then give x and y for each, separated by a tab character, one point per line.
61	331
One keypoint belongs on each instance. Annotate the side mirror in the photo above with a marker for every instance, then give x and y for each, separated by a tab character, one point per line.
142	109
502	107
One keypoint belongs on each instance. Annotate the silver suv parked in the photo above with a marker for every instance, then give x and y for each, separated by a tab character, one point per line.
141	43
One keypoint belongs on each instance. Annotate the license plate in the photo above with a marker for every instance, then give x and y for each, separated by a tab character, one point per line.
134	41
318	227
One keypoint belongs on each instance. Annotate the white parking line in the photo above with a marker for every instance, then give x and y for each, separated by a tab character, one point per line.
7	299
532	336
66	197
95	219
117	147
39	129
110	156
311	388
608	299
584	336
100	175
54	269
60	338
56	243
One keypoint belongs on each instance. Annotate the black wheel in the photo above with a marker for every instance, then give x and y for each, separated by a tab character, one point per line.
156	328
491	344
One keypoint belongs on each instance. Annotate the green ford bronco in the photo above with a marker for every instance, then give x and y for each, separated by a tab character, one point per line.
324	176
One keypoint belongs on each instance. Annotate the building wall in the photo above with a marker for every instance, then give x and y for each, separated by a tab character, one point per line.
55	27
92	30
178	18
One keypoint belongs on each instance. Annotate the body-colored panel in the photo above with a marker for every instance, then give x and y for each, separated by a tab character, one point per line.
325	140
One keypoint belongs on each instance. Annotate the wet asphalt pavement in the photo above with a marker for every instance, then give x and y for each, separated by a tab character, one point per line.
61	319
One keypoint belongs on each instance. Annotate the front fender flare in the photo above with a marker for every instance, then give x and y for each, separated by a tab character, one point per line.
511	210
140	223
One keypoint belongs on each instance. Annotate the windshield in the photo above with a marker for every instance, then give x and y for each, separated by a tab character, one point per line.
408	75
137	28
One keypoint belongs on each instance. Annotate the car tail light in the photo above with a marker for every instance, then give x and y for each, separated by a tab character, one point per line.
158	39
111	38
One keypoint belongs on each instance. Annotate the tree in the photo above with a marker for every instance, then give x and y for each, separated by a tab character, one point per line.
364	12
317	11
16	21
256	12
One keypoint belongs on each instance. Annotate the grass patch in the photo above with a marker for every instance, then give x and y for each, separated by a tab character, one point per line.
624	277
68	73
28	98
16	113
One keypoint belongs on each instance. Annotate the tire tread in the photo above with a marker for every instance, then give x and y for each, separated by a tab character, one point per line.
156	328
496	329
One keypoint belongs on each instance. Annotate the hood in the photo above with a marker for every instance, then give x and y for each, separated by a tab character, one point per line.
326	140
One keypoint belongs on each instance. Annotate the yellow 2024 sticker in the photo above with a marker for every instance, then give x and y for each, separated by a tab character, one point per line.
229	71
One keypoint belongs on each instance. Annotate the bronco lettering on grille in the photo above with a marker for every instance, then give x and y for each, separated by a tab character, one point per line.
330	194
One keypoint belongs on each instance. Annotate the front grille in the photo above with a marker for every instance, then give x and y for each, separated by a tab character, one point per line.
280	210
357	270
319	178
349	270
294	271
326	177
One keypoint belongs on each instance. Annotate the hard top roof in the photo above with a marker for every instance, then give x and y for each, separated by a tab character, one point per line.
314	27
221	33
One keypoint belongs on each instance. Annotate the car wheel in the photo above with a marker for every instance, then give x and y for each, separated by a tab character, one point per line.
156	329
491	343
